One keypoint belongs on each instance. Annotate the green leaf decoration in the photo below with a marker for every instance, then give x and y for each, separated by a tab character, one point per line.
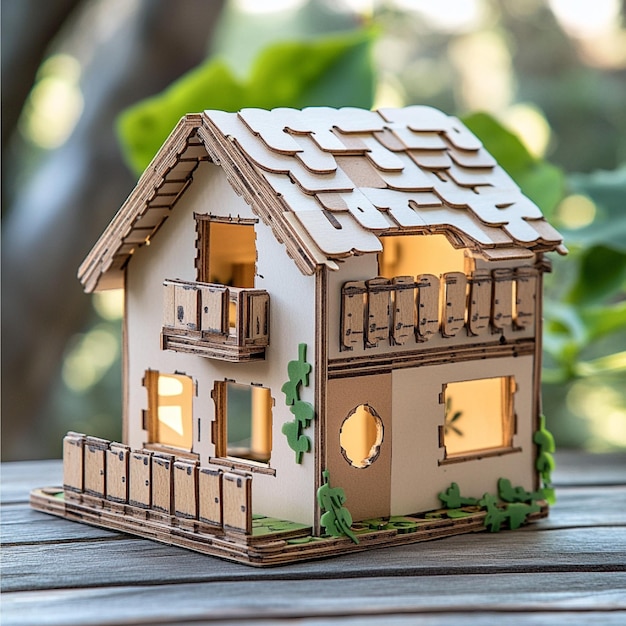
451	498
331	71
508	493
541	181
336	520
544	463
303	412
298	372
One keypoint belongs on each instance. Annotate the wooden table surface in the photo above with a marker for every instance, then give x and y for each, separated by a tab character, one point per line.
568	569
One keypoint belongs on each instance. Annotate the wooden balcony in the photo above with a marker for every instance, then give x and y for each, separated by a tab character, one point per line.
408	309
215	321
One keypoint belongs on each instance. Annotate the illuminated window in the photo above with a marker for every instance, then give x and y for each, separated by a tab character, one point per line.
478	416
411	255
244	421
226	251
360	436
170	399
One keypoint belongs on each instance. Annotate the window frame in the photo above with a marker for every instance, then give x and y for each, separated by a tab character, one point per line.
151	414
203	233
509	424
219	433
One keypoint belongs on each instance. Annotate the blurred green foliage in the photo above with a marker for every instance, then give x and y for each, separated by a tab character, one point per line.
331	71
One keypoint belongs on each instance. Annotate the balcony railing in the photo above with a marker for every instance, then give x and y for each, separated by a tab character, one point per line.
408	309
215	321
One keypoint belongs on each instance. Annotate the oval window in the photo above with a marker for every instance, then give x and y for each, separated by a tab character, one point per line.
360	436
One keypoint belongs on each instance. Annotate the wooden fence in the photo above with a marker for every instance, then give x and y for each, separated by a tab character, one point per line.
408	308
171	486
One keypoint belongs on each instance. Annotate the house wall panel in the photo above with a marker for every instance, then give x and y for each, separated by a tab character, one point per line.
171	254
418	412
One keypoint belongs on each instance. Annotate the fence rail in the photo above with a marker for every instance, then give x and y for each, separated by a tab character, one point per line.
173	487
408	308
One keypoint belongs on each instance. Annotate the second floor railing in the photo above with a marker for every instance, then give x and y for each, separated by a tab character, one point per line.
402	309
212	319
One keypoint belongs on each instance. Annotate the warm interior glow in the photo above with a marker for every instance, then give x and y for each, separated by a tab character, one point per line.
232	254
174	411
411	255
248	422
360	436
478	415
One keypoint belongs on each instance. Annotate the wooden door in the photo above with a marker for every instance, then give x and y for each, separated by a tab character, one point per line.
360	407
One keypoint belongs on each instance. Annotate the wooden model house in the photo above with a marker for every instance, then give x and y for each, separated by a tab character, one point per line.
333	323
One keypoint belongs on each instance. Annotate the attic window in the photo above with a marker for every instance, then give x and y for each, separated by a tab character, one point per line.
411	255
226	251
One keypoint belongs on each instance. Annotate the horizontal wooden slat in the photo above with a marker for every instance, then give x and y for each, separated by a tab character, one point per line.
357	598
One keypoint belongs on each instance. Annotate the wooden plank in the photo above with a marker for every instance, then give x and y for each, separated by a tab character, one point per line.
427	306
479	302
403	309
321	603
214	309
210	495
237	499
186	488
378	309
73	461
117	472
41	566
352	314
163	482
95	466
525	297
140	479
502	299
187	307
258	316
454	304
169	305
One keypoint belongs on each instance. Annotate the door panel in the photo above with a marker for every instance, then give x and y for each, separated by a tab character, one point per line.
368	489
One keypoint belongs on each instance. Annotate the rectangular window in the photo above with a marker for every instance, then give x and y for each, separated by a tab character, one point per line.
170	401
479	417
226	251
244	421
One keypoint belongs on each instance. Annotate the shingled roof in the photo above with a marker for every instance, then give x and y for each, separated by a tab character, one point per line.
329	182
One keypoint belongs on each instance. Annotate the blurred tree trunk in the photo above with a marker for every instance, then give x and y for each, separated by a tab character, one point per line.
60	212
28	28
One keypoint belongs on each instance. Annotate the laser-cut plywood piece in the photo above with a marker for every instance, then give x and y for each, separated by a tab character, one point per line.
378	309
454	302
403	309
73	464
392	336
117	472
427	306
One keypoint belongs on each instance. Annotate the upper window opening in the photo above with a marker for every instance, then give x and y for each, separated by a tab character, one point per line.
360	436
226	252
478	415
411	255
